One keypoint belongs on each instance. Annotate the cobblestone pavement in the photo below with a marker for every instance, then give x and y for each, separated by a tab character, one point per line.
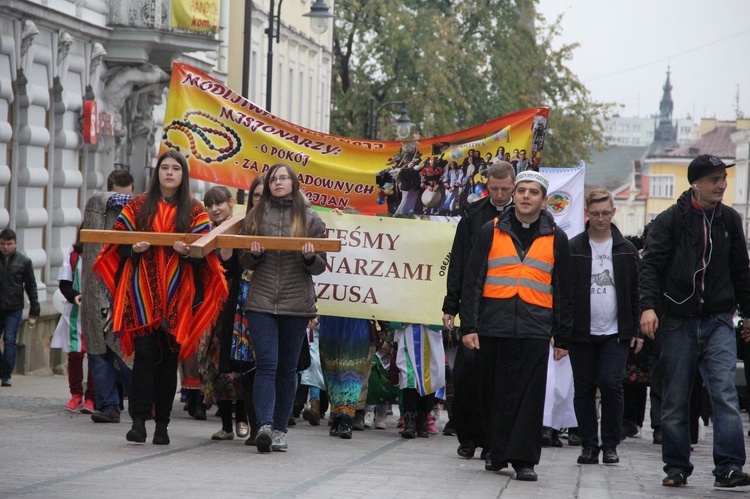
47	452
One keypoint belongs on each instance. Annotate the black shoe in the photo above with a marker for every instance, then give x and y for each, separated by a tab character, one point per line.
190	402
6	382
551	437
546	436
466	451
589	455
485	454
109	414
525	474
345	431
291	421
410	425
574	438
733	478
137	432
161	437
449	429
491	466
609	456
199	412
334	429
422	425
556	442
675	479
657	436
629	429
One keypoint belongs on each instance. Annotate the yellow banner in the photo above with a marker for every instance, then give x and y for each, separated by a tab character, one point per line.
195	15
229	140
390	269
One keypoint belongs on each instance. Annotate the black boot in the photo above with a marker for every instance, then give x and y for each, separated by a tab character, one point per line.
137	432
190	402
556	442
550	437
574	438
410	425
199	411
546	436
422	425
160	434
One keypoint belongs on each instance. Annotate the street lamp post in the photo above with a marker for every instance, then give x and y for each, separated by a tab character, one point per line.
319	16
403	123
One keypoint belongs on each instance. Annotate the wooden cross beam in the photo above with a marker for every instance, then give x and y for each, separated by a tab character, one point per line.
223	236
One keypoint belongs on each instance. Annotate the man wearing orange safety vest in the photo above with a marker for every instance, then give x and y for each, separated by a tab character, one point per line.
516	297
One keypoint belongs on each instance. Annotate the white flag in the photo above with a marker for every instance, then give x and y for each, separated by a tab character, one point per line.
565	197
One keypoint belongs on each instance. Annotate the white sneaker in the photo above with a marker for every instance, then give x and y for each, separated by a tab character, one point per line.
279	442
369	419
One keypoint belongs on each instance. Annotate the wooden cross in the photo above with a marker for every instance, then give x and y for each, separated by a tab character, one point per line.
223	236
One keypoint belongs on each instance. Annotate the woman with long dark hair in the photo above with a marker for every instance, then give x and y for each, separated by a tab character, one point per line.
280	299
162	299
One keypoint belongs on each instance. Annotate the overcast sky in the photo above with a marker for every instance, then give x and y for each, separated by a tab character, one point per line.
627	46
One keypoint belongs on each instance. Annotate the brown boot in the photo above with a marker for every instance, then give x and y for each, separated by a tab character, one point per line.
311	412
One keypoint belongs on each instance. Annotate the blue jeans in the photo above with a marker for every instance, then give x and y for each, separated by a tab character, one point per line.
277	340
599	364
9	322
707	343
106	377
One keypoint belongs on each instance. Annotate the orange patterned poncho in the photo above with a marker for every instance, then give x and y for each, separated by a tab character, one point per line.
158	288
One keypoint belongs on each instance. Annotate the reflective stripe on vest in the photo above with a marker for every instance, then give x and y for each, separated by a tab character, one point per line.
530	279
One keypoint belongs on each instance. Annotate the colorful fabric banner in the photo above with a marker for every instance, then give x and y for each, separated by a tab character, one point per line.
389	269
565	197
229	140
195	15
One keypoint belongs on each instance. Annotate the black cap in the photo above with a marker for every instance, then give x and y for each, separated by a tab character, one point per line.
703	165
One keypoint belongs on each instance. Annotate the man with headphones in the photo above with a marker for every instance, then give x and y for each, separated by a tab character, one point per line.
695	271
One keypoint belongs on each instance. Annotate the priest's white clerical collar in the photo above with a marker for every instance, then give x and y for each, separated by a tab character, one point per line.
524	224
501	208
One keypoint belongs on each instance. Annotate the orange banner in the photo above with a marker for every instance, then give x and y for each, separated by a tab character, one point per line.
229	140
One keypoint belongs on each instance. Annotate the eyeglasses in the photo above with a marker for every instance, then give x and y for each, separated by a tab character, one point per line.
596	214
281	178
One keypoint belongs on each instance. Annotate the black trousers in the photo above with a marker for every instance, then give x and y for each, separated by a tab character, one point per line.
154	376
635	395
599	364
514	379
413	402
655	391
466	412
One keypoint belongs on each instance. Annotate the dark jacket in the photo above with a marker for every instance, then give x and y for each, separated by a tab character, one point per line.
100	213
17	275
281	283
625	265
513	318
672	262
473	217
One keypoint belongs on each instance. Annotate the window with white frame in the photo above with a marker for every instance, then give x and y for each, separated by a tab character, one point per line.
661	186
652	215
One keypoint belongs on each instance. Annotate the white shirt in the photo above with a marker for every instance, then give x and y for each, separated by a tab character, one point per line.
603	293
